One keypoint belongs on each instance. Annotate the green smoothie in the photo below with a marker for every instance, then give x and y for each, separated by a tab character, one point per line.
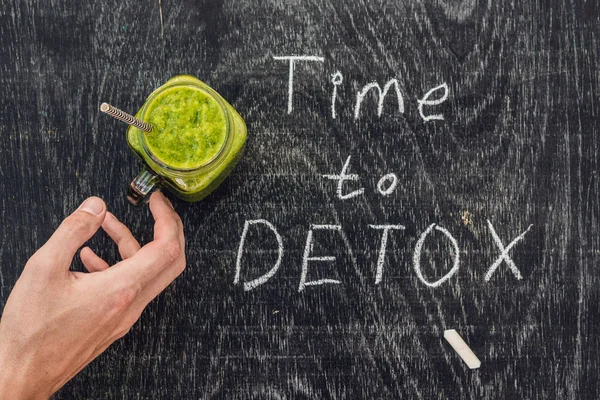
196	140
190	128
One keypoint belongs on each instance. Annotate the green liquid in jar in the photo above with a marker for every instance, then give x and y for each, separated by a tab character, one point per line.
189	128
197	137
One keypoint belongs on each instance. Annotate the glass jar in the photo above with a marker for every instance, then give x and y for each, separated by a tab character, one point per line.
197	182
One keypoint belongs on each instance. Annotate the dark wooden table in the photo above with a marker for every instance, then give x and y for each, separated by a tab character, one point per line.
518	146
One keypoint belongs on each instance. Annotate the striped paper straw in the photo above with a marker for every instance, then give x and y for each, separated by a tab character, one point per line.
127	118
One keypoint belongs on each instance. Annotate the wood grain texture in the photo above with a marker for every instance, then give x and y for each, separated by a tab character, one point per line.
518	146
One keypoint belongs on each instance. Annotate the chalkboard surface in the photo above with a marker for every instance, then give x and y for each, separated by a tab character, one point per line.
434	166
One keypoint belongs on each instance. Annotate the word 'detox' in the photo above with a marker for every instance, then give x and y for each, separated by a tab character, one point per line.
337	79
386	229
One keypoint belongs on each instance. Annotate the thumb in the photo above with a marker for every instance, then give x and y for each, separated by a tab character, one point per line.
74	231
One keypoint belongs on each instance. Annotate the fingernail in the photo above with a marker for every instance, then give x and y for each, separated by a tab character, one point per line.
169	203
93	206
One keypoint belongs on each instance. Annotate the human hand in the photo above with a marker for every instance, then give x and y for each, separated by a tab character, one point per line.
57	321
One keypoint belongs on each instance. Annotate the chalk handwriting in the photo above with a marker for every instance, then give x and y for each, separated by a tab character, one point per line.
381	96
238	264
292	60
504	253
307	257
417	256
426	102
385	186
383	248
392	185
341	178
384	238
336	79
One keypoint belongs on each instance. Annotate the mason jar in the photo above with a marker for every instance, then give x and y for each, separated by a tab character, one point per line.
194	179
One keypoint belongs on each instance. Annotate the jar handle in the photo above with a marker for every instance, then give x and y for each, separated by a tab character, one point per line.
141	186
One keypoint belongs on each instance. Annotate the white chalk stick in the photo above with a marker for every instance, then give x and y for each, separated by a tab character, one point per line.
463	350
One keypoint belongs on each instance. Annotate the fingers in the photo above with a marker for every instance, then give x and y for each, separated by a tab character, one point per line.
165	277
167	223
73	232
166	252
121	235
135	281
91	261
